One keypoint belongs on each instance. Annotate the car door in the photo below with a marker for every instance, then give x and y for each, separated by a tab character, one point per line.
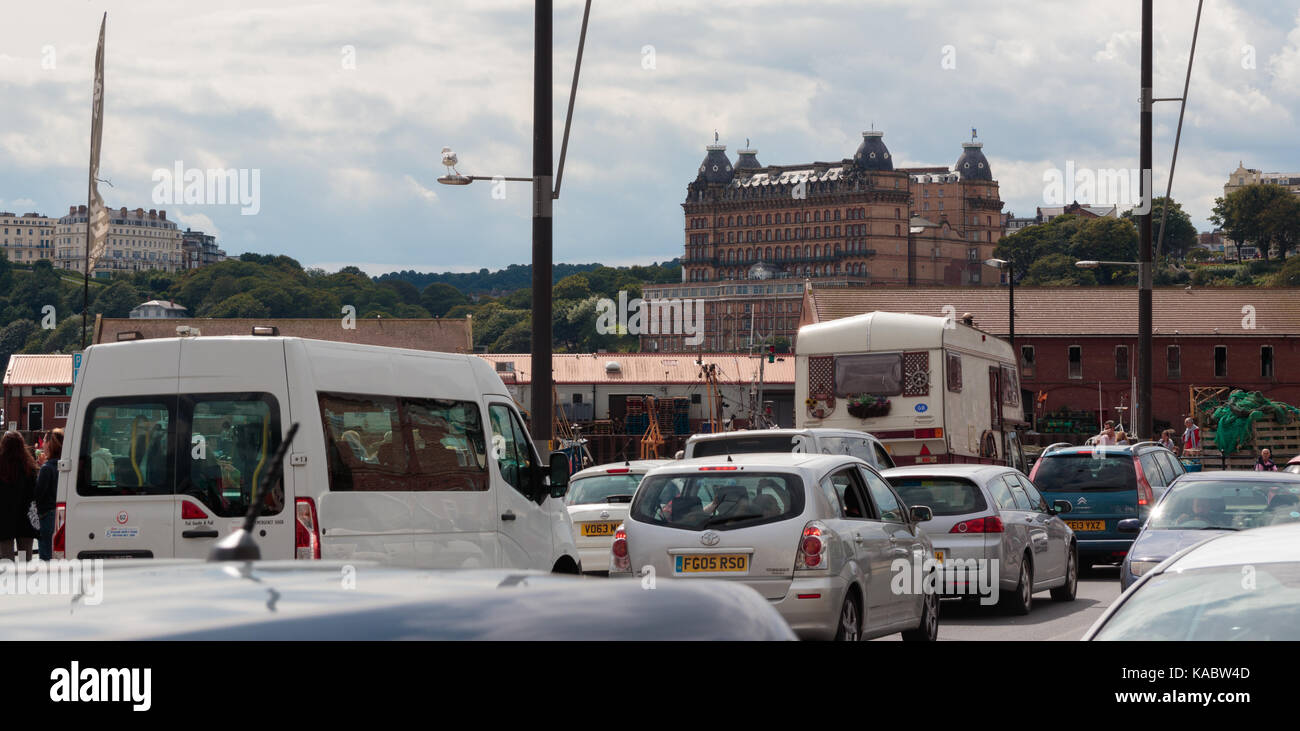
864	540
523	525
1050	563
1015	524
1034	531
1155	474
904	541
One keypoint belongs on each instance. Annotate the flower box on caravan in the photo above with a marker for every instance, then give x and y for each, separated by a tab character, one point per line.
931	389
401	455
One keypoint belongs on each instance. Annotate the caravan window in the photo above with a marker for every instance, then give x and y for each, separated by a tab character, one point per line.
876	374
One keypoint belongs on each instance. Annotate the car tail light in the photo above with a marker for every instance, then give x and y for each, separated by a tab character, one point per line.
190	511
59	549
306	529
812	547
990	524
712	468
619	548
618	470
1145	496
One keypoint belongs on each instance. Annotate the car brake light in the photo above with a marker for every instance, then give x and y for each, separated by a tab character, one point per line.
619	548
990	524
190	511
618	470
712	468
60	530
812	546
1145	496
306	533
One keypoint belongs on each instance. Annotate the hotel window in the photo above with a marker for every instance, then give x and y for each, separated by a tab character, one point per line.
1266	361
1027	360
1076	362
1121	362
1220	361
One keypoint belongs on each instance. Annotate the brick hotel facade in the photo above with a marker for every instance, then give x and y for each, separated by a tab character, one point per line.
754	234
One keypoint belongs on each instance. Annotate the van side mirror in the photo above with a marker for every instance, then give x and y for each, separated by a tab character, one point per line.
559	474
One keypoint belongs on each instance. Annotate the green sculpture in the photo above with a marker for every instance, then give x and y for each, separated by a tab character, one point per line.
1236	415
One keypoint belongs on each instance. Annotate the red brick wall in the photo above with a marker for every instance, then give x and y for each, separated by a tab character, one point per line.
16	410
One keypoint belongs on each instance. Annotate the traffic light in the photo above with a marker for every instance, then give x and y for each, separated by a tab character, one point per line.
771	354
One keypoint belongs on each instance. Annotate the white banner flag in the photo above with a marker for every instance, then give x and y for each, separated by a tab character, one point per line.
97	238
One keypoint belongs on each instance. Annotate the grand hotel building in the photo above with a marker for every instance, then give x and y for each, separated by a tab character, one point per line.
754	234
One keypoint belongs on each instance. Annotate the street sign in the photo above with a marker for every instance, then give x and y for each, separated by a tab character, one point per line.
76	366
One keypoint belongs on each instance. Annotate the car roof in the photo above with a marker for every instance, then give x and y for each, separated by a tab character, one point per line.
973	471
634	466
774	460
1240	475
1271	544
1118	449
811	431
191	599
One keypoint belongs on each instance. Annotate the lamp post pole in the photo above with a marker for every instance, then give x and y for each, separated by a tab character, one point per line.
543	227
1142	421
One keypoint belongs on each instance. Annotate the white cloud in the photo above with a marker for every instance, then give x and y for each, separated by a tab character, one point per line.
197	222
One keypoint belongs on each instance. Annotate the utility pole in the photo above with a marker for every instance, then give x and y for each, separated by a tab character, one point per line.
543	226
1142	421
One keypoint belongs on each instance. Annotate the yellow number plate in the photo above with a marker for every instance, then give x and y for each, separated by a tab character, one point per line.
712	563
938	556
593	530
1086	525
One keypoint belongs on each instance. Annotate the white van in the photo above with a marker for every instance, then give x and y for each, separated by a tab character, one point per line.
808	441
167	440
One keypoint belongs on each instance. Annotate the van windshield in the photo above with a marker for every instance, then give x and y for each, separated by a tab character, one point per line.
1085	472
699	501
745	445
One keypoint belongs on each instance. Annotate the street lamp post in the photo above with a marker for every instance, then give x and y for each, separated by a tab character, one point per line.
1142	419
1011	294
541	402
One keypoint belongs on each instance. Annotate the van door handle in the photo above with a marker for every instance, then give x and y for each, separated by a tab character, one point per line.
857	538
508	515
199	534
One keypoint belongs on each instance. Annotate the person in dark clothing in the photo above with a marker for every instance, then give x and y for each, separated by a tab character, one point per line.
47	485
17	488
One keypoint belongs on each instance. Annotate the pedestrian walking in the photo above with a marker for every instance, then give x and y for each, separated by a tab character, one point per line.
46	495
17	489
1265	462
1167	440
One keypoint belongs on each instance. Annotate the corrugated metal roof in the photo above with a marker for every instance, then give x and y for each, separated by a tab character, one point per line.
658	368
1080	310
39	370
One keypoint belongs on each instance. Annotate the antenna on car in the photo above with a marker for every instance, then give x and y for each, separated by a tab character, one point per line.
239	545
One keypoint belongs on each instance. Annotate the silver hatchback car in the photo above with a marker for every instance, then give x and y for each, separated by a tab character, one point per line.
823	537
990	524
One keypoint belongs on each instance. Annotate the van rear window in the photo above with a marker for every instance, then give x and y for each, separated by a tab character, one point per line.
127	447
399	444
1085	472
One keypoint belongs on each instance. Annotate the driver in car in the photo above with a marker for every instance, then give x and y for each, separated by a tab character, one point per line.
1203	509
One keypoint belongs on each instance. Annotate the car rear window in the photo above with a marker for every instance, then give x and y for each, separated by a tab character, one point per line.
745	445
603	489
942	495
719	501
1085	472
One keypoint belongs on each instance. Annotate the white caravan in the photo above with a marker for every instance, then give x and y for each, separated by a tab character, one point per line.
401	455
933	390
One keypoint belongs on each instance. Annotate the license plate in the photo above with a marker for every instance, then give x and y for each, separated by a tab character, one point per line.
938	556
712	563
594	530
1086	525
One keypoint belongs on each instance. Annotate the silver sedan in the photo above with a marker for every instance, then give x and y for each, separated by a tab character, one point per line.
823	537
995	536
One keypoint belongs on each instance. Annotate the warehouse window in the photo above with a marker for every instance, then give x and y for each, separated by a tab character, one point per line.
1266	361
1027	360
1121	362
1076	361
1173	362
1220	361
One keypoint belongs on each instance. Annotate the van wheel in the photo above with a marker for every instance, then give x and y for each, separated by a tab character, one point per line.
1020	601
1070	589
850	625
928	630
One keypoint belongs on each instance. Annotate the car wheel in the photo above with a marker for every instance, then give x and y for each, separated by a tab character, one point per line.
1020	601
1067	592
928	629
850	627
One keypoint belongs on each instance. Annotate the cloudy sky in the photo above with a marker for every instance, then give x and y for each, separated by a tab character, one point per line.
342	108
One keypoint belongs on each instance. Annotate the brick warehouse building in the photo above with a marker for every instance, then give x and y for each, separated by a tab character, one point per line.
1070	340
754	233
37	391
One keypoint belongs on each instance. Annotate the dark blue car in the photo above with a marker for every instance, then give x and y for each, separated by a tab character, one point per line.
1200	505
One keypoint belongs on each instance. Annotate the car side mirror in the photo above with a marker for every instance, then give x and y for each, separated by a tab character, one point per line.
921	514
1129	525
559	474
681	454
1062	506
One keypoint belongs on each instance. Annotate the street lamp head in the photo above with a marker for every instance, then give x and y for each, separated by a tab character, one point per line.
1087	264
454	179
996	263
